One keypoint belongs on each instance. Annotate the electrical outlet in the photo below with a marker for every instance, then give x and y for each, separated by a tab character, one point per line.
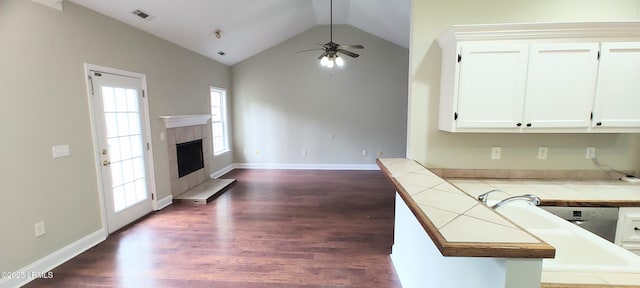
364	153
304	152
496	153
380	154
542	153
257	152
591	153
39	229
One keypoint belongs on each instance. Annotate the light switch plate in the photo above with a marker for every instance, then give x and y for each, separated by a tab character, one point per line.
39	229
61	151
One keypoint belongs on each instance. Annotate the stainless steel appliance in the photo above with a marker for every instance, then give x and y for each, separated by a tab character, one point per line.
601	221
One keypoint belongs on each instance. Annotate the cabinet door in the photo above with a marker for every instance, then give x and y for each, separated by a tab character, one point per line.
561	85
618	88
491	85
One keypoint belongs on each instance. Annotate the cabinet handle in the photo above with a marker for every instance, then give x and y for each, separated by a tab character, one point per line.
528	124
519	124
599	124
636	229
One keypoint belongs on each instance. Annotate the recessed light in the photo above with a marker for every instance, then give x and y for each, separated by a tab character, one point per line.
221	53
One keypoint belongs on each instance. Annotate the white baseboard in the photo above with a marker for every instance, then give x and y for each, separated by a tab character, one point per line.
164	202
42	267
219	173
292	166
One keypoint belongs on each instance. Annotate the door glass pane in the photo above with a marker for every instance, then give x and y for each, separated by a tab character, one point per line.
126	148
118	199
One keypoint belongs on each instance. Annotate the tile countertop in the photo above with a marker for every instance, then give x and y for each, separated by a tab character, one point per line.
602	193
458	224
566	193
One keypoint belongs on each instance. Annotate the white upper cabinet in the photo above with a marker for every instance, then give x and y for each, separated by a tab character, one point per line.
617	103
561	82
541	78
491	85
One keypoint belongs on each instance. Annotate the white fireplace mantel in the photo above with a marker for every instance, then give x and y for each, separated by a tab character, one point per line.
185	120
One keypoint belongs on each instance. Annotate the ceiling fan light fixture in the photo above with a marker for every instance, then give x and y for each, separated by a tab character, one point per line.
330	63
324	61
339	61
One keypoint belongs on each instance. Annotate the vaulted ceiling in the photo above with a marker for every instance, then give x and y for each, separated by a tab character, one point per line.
248	27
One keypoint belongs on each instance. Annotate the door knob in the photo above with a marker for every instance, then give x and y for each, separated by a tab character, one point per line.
106	163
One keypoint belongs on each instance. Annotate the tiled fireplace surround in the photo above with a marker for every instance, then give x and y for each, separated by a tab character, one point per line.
179	135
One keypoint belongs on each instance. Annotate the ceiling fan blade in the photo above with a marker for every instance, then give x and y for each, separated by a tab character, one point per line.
322	55
358	46
348	53
308	50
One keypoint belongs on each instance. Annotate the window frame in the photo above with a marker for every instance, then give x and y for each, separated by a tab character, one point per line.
224	120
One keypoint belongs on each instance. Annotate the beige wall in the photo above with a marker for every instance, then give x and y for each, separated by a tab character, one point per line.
435	148
284	102
43	102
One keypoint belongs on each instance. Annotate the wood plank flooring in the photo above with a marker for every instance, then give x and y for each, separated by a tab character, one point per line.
273	228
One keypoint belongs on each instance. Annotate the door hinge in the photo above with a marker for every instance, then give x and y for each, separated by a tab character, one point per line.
97	74
142	93
455	115
598	55
148	146
153	196
91	84
459	58
591	116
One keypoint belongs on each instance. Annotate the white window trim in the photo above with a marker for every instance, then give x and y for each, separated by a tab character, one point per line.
225	121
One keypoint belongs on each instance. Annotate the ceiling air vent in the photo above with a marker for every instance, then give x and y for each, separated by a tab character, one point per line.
141	14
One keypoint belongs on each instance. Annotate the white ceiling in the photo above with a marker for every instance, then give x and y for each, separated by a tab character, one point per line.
251	26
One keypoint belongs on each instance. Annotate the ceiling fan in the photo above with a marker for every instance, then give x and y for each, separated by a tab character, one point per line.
330	50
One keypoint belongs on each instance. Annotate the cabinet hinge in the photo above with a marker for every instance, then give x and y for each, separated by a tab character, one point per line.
598	55
459	58
455	115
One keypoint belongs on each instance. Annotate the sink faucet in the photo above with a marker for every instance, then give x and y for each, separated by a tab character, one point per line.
533	199
485	196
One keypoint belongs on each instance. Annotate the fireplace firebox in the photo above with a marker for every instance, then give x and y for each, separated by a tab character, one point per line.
190	157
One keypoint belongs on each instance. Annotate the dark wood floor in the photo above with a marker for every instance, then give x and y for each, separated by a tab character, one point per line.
273	228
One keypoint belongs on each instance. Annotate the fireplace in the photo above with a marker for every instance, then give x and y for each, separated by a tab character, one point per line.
190	157
188	137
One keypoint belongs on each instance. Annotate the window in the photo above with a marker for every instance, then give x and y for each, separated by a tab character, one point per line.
219	120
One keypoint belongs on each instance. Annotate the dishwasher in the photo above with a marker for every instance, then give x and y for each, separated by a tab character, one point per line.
601	221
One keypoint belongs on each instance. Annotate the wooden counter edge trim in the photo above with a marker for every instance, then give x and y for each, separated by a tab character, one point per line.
468	249
590	203
560	285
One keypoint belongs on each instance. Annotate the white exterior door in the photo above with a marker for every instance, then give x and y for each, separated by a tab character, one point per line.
617	98
119	118
491	85
561	85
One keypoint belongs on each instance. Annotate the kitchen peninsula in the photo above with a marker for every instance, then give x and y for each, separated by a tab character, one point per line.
441	232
